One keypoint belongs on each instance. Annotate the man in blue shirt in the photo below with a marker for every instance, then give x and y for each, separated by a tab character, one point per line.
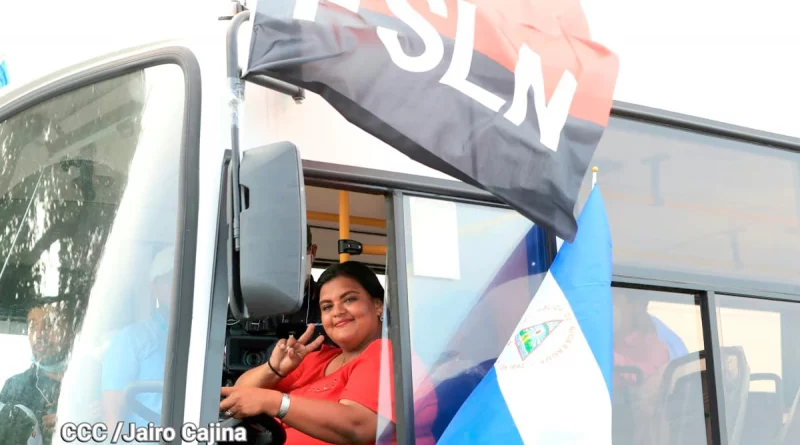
138	352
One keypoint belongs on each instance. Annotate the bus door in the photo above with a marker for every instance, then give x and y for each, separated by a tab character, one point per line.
98	186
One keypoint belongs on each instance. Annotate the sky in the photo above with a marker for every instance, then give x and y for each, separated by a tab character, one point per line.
54	34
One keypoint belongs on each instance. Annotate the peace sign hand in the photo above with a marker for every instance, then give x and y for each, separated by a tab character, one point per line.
287	354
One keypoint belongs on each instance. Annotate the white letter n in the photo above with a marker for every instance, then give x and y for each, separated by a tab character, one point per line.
552	118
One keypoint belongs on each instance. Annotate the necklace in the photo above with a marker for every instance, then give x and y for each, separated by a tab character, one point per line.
36	383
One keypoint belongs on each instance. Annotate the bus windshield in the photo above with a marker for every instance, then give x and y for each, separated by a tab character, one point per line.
88	213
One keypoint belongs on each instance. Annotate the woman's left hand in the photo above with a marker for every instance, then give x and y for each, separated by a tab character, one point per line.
244	401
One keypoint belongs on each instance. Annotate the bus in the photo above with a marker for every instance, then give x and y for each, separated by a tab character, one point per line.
115	288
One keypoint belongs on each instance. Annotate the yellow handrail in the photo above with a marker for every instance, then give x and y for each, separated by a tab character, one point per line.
357	220
371	249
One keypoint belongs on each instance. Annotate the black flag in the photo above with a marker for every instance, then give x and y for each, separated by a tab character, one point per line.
511	96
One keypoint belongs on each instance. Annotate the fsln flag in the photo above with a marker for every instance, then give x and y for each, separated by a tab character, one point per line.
3	73
511	96
552	382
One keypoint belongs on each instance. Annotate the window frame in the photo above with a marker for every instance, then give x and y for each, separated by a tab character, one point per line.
179	329
706	286
672	121
396	186
710	327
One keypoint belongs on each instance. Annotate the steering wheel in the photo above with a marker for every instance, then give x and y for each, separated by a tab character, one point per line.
261	430
143	387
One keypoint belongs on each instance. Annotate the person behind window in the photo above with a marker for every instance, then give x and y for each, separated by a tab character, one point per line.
636	340
331	395
38	388
675	345
138	352
296	323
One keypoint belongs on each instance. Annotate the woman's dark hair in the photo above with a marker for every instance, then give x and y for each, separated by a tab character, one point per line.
354	270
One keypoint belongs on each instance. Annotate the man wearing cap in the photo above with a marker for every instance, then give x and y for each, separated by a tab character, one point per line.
309	313
296	324
138	351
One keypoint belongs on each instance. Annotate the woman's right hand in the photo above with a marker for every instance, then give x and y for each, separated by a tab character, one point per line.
287	354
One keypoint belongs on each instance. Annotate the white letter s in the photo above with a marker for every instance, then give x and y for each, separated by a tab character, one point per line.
434	47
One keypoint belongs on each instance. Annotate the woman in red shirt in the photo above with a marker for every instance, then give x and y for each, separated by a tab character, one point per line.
334	395
636	340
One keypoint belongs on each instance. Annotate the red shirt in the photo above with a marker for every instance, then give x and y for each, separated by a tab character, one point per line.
645	351
367	380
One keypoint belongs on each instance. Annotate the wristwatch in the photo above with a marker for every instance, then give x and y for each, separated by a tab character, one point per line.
284	406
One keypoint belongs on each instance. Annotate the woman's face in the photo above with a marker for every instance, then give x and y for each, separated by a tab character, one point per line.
350	315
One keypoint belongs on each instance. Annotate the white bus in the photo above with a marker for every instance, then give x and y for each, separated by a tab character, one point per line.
112	165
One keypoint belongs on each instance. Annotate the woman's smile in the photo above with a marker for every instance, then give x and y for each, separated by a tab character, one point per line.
341	323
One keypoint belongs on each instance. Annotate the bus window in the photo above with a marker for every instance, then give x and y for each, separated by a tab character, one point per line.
87	219
767	332
368	373
472	271
659	384
674	182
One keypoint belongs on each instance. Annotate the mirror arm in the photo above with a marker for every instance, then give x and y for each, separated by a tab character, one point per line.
237	96
297	93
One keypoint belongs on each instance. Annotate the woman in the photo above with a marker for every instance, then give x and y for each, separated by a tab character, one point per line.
334	395
636	341
637	347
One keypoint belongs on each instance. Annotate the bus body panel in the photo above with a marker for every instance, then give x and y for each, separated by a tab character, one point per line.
320	133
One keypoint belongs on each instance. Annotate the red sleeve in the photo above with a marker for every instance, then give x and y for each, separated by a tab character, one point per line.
370	382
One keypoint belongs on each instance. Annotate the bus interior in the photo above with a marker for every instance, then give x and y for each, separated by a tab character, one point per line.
331	215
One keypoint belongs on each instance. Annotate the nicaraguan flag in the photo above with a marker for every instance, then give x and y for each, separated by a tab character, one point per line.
3	73
551	385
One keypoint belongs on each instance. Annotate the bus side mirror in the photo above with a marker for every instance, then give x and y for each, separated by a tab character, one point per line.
266	275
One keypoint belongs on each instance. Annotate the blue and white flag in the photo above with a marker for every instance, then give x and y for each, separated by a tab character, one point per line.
3	73
551	385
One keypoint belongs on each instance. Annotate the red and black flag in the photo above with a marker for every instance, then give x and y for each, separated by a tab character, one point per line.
511	96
